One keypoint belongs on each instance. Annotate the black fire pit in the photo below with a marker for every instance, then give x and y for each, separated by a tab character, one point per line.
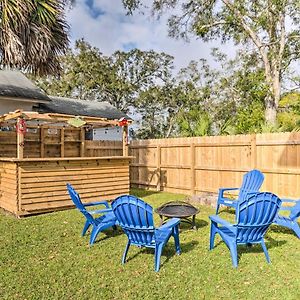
178	209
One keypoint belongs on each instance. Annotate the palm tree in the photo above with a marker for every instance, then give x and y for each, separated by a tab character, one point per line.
33	34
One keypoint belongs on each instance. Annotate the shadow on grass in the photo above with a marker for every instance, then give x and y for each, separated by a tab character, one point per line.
107	234
227	210
168	251
187	226
142	193
255	248
201	223
281	229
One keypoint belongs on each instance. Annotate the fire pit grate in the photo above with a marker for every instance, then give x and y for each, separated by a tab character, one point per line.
178	209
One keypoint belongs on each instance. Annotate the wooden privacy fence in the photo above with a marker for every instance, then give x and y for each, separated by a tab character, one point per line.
204	164
103	148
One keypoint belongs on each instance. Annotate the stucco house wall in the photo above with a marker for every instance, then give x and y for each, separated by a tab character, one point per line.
7	106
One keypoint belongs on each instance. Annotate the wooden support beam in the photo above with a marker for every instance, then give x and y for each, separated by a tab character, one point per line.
56	117
19	184
82	140
42	138
12	115
20	139
62	142
125	140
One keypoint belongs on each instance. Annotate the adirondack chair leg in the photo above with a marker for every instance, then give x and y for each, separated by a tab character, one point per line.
125	252
158	251
94	234
233	252
212	235
176	239
217	209
263	245
86	227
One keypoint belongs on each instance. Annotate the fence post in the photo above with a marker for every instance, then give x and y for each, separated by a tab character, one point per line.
193	175
158	166
253	152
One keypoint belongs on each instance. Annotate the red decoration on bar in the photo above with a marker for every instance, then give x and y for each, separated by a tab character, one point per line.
21	126
123	122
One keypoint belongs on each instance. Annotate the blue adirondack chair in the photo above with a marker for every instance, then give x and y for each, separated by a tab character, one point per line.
252	182
136	219
291	220
254	214
106	220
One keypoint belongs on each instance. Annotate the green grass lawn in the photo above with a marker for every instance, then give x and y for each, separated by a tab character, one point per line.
44	257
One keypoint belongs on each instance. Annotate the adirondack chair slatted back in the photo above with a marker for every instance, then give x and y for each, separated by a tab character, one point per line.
76	200
254	216
136	218
252	181
295	212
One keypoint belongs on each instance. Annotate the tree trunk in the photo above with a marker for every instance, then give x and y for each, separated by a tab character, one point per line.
272	100
270	110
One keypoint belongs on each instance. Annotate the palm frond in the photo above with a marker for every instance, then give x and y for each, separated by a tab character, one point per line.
33	34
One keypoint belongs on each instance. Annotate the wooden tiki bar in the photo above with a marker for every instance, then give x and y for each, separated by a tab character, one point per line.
40	153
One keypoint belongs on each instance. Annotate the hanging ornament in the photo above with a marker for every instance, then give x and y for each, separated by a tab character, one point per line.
76	122
21	126
123	122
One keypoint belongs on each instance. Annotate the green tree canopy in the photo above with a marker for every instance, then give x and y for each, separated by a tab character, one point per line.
197	100
270	28
119	78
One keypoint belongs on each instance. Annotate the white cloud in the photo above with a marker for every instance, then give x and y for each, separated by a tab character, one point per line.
113	30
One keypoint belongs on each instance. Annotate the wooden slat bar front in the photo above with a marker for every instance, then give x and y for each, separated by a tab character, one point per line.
36	185
44	142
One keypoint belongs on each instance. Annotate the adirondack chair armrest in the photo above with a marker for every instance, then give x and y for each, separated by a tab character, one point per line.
170	224
218	220
289	208
105	203
286	208
228	189
222	190
163	232
100	211
289	201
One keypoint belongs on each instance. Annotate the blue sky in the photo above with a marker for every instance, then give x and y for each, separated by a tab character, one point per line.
105	25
